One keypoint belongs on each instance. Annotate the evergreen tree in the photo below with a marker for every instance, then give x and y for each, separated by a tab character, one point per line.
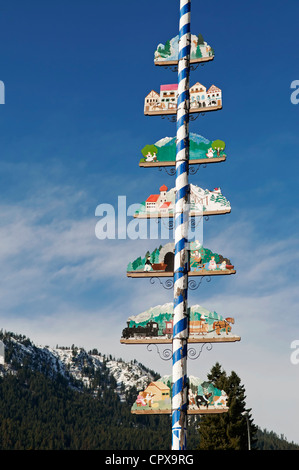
200	39
167	50
198	52
227	431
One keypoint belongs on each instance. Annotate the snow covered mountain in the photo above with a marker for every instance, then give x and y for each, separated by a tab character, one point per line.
76	365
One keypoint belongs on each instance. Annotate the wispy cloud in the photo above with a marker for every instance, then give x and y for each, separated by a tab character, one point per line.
61	285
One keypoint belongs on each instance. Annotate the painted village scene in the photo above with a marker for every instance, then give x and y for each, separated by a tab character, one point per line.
160	262
202	202
203	397
201	150
168	53
165	102
155	325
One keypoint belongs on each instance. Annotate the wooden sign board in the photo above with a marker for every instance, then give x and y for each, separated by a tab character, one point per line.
165	102
202	202
201	150
203	398
160	262
155	325
167	54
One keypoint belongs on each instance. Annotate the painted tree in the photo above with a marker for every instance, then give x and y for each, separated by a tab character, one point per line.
137	263
200	40
198	52
149	149
165	51
219	146
227	431
167	48
221	200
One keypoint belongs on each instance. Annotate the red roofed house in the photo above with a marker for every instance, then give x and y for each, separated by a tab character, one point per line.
199	97
157	202
151	202
169	96
165	207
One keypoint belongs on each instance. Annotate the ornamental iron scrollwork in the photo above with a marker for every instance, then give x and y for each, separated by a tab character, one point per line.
170	118
170	171
173	68
168	223
193	169
193	354
193	285
168	284
165	354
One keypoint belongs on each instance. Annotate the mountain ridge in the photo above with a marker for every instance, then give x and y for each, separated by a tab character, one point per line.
73	363
68	398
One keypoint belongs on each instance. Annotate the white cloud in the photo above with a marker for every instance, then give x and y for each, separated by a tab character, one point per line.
49	253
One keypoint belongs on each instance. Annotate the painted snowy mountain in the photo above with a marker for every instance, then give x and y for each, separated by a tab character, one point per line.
198	139
169	51
162	313
200	148
202	201
194	380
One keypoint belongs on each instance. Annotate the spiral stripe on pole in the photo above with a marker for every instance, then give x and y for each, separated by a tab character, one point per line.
180	312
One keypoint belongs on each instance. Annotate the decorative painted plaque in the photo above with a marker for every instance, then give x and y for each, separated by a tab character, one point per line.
167	54
202	202
155	325
160	262
203	398
165	102
201	150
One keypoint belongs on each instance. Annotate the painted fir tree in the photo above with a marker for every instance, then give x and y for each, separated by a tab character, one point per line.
227	431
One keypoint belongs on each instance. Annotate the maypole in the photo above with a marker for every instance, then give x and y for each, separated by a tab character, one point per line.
180	317
174	322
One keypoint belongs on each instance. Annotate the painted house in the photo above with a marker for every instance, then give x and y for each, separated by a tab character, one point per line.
151	100
201	98
201	201
158	390
166	101
203	397
169	96
198	96
158	202
214	95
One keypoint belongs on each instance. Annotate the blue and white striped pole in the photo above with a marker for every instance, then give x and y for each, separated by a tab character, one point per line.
180	318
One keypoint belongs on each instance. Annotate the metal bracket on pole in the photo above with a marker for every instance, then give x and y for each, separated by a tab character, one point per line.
168	284
193	169
170	118
170	171
192	354
193	285
165	355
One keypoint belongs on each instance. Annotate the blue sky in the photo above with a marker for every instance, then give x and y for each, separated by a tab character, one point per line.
72	127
